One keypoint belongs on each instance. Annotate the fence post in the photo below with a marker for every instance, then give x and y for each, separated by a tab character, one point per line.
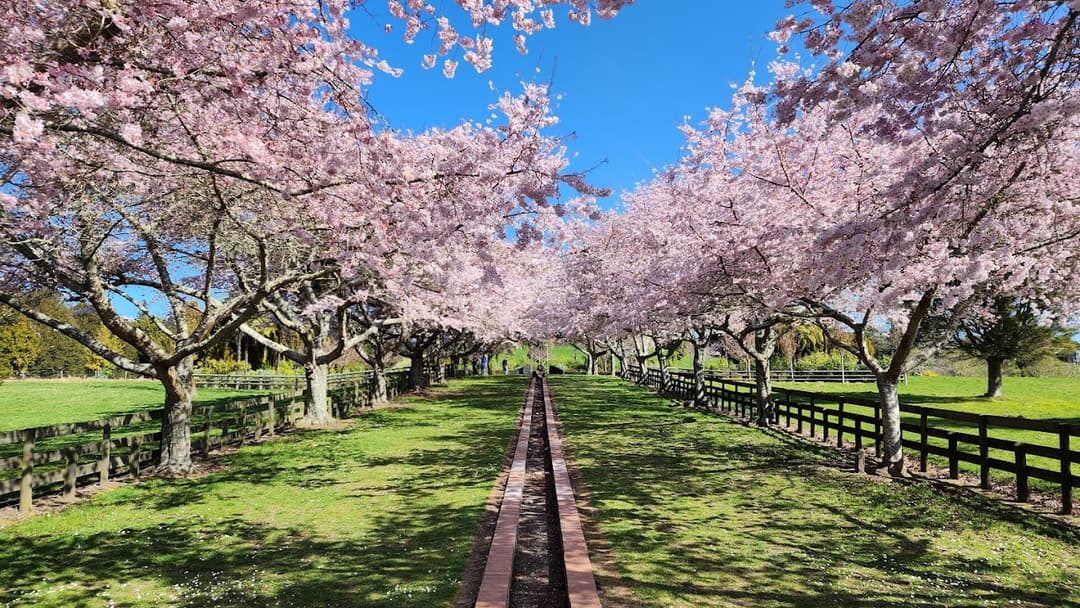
923	429
71	459
877	430
106	453
840	424
242	424
1023	493
207	426
135	458
984	455
270	414
1064	431
954	459
26	483
813	418
799	420
258	424
824	424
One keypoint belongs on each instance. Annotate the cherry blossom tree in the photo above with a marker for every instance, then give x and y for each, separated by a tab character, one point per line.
858	259
155	153
382	342
325	332
813	216
981	100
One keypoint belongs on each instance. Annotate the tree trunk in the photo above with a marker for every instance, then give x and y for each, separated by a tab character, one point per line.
643	365
440	370
890	425
661	361
317	376
699	374
622	364
590	364
763	391
416	371
379	391
993	376
178	381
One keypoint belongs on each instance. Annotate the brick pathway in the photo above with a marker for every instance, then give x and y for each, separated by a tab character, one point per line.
575	585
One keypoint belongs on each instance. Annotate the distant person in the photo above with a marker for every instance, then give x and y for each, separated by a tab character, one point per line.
475	367
506	367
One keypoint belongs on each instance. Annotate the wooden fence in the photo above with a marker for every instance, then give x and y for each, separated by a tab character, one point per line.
1054	445
271	382
788	375
63	456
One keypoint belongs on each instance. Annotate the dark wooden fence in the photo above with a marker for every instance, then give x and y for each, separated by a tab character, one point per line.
1048	455
60	457
789	375
271	382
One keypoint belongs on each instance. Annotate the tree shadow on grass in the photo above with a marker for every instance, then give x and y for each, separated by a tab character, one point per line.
715	513
403	543
314	458
237	562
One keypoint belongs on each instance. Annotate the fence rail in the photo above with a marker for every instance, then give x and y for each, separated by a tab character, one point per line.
823	414
61	457
788	375
259	382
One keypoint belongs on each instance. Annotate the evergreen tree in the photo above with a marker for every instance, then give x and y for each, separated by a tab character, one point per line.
1009	330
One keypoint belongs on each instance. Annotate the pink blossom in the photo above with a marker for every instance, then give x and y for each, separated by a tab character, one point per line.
132	133
177	24
27	130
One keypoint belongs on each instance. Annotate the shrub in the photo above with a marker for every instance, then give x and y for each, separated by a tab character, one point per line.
835	359
1050	367
228	365
286	368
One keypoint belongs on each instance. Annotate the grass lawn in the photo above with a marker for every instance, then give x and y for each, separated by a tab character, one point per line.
1041	398
1051	399
381	513
700	510
562	355
31	403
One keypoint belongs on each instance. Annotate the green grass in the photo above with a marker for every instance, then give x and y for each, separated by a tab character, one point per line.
701	510
379	514
32	403
1050	399
1038	398
562	355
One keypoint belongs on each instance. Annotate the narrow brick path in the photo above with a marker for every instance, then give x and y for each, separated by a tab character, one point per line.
538	556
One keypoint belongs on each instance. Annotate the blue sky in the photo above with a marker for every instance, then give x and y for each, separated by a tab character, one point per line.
626	84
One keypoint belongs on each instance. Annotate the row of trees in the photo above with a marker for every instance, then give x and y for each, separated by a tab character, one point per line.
215	165
927	169
27	347
217	168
